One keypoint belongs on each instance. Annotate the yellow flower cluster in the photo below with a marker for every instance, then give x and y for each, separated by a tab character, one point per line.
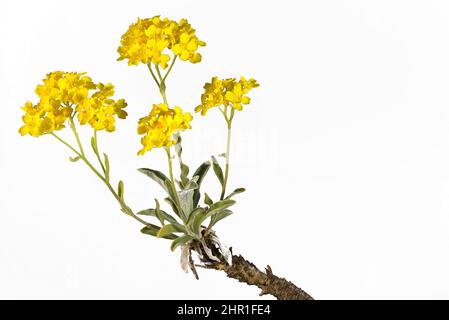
160	125
226	92
38	121
99	110
147	40
61	94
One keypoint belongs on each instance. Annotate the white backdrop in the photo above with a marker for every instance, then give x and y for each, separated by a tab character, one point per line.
344	150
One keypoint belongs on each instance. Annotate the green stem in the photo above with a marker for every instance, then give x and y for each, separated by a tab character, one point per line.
232	115
97	153
170	165
159	74
172	180
66	144
162	86
169	69
162	90
72	126
153	75
228	148
82	156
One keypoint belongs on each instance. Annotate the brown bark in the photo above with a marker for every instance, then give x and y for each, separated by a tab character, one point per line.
245	271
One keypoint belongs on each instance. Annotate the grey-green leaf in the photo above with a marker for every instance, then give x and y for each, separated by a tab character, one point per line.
198	219
219	206
153	230
157	176
152	213
121	189
158	212
218	171
93	143
186	200
170	190
178	146
106	166
194	214
166	230
184	174
200	173
219	216
172	205
236	191
200	215
180	241
207	199
191	184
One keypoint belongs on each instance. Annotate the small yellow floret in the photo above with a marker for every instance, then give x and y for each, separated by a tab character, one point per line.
61	95
226	92
160	125
150	40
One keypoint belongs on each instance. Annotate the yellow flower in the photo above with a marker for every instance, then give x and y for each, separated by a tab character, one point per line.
149	40
226	92
62	93
99	110
187	43
160	125
38	121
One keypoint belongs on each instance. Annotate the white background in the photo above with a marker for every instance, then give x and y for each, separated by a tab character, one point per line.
344	150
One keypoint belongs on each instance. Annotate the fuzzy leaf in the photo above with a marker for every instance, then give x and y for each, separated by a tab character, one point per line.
93	143
180	241
153	230
191	184
170	190
166	230
200	173
219	216
186	200
236	191
106	166
172	205
218	171
201	215
194	214
158	212
178	146
197	220
207	200
157	176
219	206
184	174
121	189
152	213
185	257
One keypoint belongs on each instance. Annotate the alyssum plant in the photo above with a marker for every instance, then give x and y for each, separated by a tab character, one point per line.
71	99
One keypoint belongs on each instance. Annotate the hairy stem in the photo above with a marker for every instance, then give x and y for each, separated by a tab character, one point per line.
172	181
97	153
72	126
169	69
153	75
162	91
228	149
125	208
